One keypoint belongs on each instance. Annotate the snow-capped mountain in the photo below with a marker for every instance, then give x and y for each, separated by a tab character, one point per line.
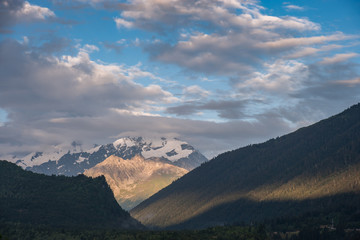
73	160
54	154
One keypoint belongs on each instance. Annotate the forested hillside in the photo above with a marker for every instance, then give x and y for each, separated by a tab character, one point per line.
57	201
313	170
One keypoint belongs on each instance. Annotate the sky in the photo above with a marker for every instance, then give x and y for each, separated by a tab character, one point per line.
220	74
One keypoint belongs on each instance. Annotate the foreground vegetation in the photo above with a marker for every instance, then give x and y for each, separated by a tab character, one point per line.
259	232
312	226
59	201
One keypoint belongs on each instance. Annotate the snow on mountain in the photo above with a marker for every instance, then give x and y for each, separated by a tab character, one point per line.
172	149
54	154
38	158
94	149
129	142
72	160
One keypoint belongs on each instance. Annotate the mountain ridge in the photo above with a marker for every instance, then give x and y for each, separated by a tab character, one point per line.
279	170
57	201
135	179
73	160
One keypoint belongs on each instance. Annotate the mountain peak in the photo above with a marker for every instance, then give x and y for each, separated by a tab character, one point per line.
72	159
169	148
133	180
126	141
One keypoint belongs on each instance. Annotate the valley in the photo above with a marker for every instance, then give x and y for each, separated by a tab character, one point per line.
179	120
306	183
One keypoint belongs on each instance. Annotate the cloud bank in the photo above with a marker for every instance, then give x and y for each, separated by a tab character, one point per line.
217	73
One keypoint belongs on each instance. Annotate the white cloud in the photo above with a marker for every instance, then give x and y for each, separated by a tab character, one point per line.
71	85
89	48
122	23
238	52
209	137
272	22
45	94
285	43
30	12
20	11
307	51
56	99
134	112
236	34
281	76
196	92
338	58
294	7
146	14
312	51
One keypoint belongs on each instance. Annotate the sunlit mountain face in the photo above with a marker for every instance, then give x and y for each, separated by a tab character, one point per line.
134	180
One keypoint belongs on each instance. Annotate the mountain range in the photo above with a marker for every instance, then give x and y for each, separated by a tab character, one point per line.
314	171
134	167
73	160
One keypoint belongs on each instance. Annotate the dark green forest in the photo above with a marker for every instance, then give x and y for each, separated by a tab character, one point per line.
314	169
255	232
35	206
58	201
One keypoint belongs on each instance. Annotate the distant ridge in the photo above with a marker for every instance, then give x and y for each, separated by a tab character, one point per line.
35	200
72	159
315	169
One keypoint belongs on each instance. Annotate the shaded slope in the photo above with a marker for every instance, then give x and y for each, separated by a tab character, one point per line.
136	179
58	201
319	161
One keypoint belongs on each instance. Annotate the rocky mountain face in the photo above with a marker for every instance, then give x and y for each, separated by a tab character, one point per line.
35	200
136	179
73	160
314	171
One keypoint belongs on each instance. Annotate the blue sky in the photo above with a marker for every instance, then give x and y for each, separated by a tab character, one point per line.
218	73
